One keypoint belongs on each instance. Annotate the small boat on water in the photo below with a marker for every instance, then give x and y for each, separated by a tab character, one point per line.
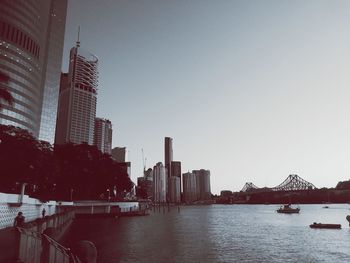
287	209
328	226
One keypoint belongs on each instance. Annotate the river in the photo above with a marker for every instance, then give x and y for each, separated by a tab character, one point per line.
220	233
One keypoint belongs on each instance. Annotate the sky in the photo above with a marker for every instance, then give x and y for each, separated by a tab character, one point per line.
251	90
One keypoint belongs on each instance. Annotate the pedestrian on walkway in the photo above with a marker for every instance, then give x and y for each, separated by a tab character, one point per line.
19	220
43	212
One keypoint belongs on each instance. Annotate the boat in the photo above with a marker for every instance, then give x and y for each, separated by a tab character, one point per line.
329	226
287	209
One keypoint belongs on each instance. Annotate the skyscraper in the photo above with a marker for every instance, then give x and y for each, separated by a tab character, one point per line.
189	187
78	98
31	43
175	182
103	135
159	183
202	184
168	154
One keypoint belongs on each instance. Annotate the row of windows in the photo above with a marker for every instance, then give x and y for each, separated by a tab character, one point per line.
85	87
12	49
15	35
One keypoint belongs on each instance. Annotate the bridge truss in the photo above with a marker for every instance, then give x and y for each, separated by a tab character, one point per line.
292	183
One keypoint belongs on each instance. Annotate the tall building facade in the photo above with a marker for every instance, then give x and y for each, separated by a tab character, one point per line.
31	44
160	182
78	98
189	187
202	184
119	154
168	154
103	135
174	189
175	182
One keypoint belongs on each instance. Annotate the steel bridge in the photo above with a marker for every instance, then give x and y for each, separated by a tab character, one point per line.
292	183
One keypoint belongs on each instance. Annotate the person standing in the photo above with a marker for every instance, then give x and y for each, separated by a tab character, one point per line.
19	220
43	212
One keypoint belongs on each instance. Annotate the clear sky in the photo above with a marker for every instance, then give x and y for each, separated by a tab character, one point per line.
251	90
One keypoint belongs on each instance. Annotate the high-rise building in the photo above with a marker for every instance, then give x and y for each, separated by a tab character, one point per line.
160	182
189	187
174	189
78	98
103	135
145	185
31	44
202	184
119	154
175	184
168	154
176	169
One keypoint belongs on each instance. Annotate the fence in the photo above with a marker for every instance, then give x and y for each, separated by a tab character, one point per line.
34	247
30	207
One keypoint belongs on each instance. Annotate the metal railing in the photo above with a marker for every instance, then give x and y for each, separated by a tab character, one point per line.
34	247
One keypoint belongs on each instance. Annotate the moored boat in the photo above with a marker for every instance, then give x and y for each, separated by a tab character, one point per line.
287	209
329	226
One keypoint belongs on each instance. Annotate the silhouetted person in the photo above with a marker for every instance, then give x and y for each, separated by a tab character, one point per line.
19	220
43	212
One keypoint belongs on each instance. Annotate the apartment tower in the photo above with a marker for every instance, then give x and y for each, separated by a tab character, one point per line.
103	135
78	98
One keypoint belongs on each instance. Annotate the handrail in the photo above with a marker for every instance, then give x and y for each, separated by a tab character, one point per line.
65	250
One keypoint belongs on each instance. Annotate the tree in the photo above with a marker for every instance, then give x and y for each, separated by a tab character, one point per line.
88	172
24	159
5	95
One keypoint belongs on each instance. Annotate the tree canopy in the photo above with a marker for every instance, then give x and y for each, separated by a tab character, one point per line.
60	172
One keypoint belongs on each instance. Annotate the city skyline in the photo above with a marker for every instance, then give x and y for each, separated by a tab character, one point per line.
251	91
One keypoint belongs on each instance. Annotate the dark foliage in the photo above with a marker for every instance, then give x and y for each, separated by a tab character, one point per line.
63	172
5	95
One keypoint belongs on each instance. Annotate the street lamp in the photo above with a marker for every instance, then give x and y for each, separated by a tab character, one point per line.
109	196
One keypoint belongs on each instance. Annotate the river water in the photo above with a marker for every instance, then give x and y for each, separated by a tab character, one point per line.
220	233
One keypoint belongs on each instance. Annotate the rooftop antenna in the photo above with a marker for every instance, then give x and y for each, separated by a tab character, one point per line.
78	41
144	161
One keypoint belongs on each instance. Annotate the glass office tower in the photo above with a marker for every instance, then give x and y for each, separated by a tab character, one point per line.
31	43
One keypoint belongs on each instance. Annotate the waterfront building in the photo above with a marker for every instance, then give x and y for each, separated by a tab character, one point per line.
103	135
175	184
119	154
145	185
168	154
176	170
159	183
202	184
174	189
189	187
168	158
78	98
31	46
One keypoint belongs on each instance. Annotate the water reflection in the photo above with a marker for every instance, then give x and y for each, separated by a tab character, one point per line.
220	233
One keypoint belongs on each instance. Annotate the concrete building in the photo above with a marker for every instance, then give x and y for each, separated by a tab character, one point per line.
175	184
168	154
31	46
119	154
103	135
78	98
174	189
159	183
202	184
189	187
145	185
